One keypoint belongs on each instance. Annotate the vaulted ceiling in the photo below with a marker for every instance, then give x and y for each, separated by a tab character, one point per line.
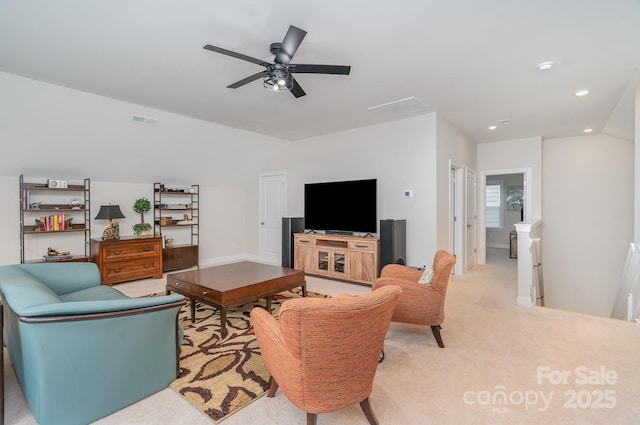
473	61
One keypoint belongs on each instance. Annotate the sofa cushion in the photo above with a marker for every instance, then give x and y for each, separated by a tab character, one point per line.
95	293
63	278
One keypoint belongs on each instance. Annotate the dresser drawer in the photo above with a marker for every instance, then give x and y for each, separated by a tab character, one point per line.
363	245
131	270
127	258
302	241
130	250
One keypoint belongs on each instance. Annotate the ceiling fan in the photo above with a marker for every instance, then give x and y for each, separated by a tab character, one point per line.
278	76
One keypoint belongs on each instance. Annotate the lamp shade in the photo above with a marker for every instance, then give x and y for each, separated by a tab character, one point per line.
109	212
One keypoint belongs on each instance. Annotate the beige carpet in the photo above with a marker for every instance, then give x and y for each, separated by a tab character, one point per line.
492	348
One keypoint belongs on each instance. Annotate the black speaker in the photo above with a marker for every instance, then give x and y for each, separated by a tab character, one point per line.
393	242
290	225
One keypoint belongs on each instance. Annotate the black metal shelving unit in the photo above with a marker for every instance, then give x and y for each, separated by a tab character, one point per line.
39	200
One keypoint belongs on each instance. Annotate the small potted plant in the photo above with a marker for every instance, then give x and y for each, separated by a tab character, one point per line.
141	206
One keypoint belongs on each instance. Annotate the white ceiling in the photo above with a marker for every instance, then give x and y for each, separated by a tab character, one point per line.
474	61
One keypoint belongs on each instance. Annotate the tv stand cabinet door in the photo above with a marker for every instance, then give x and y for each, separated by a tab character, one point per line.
304	254
363	260
362	266
332	262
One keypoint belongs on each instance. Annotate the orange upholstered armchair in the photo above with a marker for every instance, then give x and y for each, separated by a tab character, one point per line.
323	353
420	303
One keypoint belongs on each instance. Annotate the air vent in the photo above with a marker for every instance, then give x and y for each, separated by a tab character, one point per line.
144	120
400	108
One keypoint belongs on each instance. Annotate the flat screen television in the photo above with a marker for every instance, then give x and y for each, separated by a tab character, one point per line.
344	206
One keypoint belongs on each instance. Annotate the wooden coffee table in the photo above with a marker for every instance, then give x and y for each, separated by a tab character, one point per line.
231	285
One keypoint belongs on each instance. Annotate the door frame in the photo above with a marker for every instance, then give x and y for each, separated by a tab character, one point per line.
480	225
262	243
457	207
468	171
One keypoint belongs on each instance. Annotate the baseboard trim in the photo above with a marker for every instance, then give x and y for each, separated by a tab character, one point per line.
524	302
216	261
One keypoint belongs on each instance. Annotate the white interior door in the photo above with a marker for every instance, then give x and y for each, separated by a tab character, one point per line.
273	206
459	234
471	219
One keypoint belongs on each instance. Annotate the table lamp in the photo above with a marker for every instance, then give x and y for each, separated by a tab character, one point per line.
109	212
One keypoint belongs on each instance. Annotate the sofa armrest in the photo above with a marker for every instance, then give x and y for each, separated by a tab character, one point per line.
100	315
409	288
399	271
283	365
83	310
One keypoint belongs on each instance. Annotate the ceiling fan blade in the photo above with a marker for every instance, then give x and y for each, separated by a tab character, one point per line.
320	69
247	80
296	90
235	55
290	44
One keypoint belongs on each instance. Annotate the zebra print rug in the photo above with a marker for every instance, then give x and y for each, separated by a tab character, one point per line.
220	376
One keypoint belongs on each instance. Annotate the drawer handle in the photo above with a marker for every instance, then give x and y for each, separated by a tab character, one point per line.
117	252
148	248
177	283
362	246
205	292
117	270
146	266
303	241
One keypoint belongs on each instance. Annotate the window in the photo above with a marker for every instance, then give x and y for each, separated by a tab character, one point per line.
493	205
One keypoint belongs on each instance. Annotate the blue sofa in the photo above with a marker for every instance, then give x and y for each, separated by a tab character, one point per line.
82	350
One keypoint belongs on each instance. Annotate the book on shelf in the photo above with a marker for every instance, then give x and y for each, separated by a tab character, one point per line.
26	202
53	223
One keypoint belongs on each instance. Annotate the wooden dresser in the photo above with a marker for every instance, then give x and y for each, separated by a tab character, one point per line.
127	258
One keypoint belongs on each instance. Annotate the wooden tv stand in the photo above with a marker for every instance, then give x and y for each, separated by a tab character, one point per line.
351	258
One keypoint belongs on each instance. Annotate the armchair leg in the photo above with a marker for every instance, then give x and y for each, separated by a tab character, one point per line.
273	388
436	333
311	418
366	408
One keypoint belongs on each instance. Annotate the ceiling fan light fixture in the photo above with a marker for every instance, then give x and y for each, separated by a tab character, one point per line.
544	66
278	80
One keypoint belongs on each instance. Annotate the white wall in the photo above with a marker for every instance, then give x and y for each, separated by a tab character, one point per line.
518	153
453	149
588	220
10	217
400	154
49	131
637	169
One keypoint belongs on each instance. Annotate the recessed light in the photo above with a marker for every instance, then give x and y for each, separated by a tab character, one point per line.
493	127
588	130
545	66
583	92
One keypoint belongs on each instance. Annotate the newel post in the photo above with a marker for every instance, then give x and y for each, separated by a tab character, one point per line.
526	230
